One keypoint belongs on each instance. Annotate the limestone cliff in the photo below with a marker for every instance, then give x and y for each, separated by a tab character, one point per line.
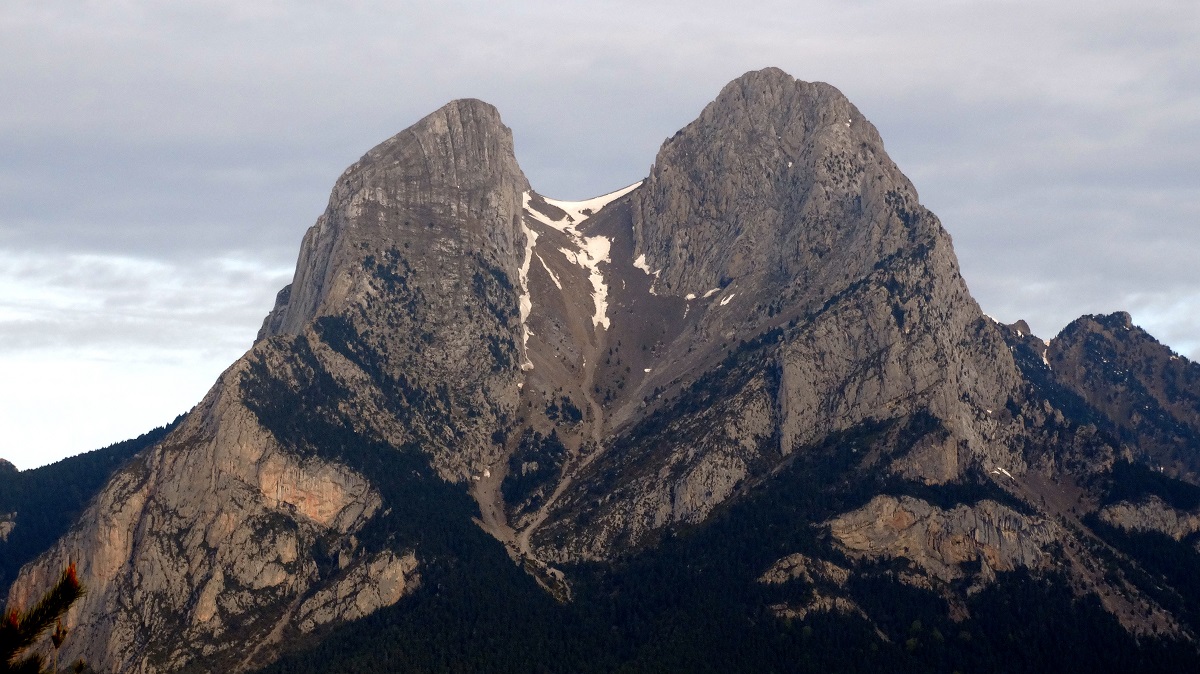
1152	514
940	542
817	295
211	537
238	532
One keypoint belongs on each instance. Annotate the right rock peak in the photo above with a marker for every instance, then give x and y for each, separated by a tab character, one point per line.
774	181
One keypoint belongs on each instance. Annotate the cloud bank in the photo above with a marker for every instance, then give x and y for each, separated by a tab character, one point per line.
162	159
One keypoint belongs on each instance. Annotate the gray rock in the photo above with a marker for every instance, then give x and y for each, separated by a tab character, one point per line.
1151	514
940	541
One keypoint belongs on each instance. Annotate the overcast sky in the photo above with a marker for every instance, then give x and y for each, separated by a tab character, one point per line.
161	159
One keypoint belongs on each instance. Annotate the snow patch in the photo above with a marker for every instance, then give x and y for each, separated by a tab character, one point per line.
640	263
525	302
728	299
553	276
596	249
690	296
578	211
592	249
712	292
1001	471
1045	360
646	369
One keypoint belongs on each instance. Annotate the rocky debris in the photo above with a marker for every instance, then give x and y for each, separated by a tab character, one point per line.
1151	514
940	542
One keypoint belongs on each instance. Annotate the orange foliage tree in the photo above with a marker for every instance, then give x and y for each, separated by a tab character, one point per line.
20	630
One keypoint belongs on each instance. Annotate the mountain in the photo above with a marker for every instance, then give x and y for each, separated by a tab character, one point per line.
741	414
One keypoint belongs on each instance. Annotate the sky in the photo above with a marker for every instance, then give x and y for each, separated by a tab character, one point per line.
160	160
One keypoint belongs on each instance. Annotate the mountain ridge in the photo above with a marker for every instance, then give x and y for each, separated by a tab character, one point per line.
771	304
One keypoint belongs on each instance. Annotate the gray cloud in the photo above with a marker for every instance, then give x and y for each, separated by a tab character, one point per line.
147	143
85	302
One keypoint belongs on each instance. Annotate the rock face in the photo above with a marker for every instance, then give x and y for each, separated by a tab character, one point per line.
210	538
221	535
413	264
1151	514
1150	394
940	541
818	294
775	176
455	167
802	567
597	375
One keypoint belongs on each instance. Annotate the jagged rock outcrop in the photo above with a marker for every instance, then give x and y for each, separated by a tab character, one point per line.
8	522
940	541
1151	514
827	580
210	537
453	172
798	566
414	265
775	176
1149	393
380	582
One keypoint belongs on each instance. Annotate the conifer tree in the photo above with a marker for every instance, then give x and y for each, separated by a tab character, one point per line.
20	630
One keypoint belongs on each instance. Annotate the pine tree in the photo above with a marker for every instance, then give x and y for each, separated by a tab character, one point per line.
19	631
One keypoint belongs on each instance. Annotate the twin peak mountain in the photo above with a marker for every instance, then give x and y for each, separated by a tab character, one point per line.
463	366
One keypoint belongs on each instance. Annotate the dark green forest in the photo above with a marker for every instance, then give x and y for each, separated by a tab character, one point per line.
47	500
692	604
690	601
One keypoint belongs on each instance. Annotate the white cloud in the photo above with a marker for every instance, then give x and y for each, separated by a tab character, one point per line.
98	349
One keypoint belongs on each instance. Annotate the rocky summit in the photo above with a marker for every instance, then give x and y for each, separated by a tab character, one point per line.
742	414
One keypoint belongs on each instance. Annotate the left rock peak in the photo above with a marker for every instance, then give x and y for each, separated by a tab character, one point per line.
451	180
